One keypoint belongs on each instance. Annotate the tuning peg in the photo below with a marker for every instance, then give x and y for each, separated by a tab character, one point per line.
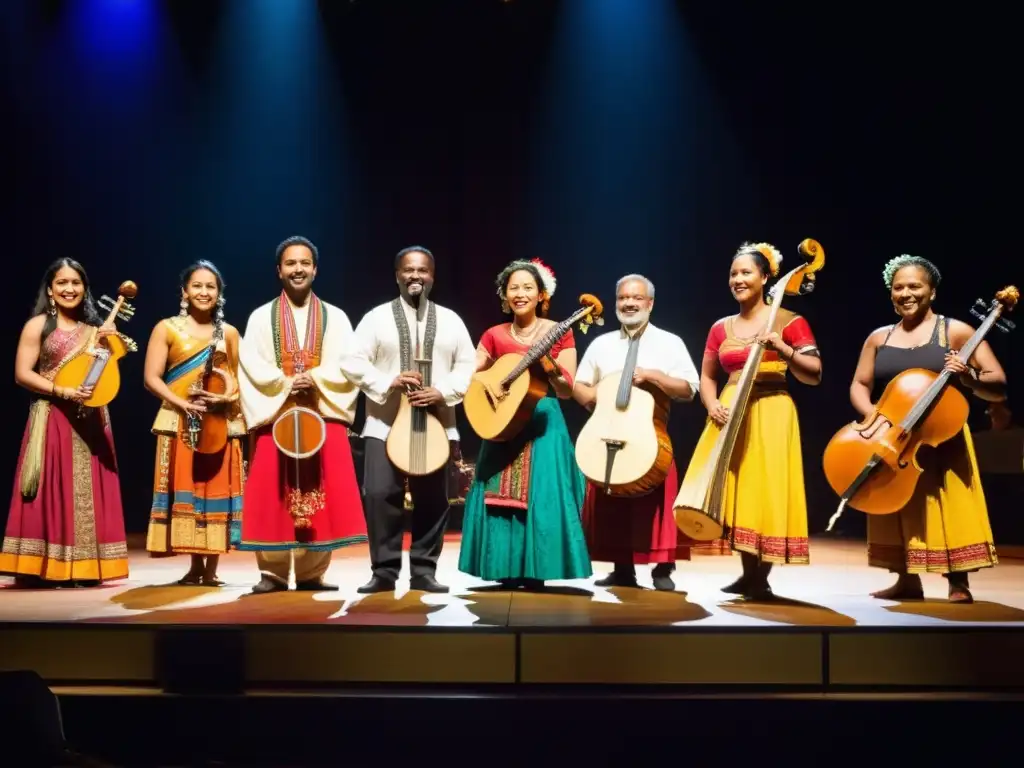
1005	325
977	314
127	308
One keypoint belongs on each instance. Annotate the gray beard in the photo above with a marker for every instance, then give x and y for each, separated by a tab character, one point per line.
635	321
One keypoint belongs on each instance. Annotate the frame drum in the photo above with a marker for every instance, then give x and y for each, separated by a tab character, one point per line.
299	432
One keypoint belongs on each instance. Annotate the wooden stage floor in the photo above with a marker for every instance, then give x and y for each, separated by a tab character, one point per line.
822	628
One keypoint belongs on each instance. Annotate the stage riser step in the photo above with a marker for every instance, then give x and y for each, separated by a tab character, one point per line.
309	730
234	659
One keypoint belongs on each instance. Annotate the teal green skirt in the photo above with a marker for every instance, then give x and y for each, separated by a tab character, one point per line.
521	518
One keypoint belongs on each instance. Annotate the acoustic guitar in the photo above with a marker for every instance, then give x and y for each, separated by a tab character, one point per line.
500	400
624	446
418	443
96	364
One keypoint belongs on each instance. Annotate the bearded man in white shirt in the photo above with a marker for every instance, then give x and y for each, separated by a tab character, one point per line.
628	531
298	510
381	363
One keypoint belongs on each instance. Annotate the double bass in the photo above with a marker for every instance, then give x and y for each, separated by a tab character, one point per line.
698	508
95	365
872	464
500	400
624	446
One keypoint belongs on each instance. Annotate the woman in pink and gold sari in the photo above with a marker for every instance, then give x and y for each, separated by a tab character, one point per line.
66	524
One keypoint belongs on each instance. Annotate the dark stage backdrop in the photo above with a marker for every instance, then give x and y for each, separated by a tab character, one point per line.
604	136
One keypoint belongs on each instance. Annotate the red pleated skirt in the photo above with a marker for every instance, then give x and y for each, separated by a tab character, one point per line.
331	514
636	530
73	529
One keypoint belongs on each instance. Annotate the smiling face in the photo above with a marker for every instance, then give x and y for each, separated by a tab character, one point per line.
297	268
522	293
746	280
633	304
912	293
67	289
202	291
415	275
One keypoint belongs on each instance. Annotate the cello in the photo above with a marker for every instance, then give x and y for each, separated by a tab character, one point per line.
95	365
872	464
698	508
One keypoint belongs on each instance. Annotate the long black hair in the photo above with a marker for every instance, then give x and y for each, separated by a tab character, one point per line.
218	315
86	311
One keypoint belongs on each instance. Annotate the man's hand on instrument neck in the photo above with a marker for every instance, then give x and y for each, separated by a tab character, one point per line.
407	380
303	382
426	397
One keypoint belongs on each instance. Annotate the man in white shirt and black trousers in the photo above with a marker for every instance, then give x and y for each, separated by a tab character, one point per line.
381	363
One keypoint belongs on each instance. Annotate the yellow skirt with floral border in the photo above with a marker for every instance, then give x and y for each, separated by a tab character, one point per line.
765	507
945	527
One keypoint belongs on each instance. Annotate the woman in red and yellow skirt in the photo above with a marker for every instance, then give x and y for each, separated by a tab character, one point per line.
66	523
764	503
197	497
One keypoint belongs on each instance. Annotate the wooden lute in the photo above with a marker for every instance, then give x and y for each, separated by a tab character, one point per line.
699	504
418	443
96	364
872	464
624	446
500	400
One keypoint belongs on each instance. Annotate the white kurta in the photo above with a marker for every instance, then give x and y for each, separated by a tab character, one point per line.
263	386
375	359
658	351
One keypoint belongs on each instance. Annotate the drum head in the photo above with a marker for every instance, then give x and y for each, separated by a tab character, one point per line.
697	525
312	428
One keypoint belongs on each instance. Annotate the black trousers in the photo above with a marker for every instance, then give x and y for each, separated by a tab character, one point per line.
383	499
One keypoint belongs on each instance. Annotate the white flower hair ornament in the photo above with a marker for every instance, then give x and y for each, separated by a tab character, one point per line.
547	275
906	260
769	251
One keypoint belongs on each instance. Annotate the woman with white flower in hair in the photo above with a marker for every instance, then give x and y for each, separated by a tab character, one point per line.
764	506
945	528
521	521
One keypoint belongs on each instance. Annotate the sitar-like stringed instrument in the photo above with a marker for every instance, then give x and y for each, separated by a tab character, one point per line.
96	364
699	504
500	400
418	443
872	464
624	446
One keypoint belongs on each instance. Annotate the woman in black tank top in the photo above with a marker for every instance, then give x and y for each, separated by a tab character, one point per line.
945	528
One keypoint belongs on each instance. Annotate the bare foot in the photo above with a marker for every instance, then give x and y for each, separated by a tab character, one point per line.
907	587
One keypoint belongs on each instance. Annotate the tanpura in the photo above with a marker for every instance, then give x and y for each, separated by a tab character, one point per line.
699	510
96	364
872	464
500	400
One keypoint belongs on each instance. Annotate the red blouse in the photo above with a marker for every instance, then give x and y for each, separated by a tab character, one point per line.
497	341
732	352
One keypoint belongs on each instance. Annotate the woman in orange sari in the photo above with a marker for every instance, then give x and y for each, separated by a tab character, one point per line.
66	523
197	497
